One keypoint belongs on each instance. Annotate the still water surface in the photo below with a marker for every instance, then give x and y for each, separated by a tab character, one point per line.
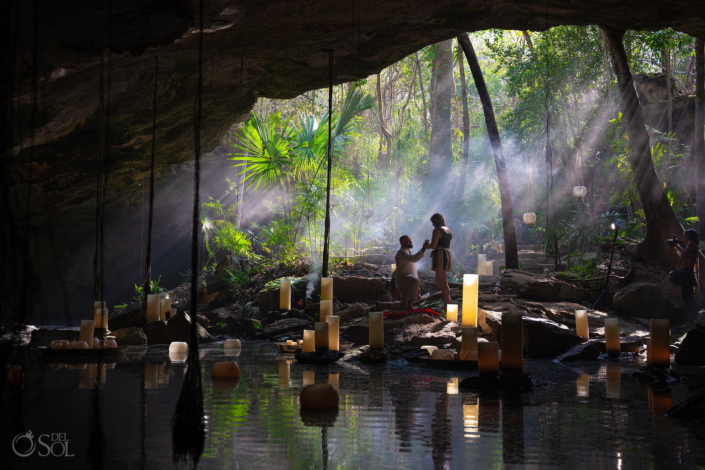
398	415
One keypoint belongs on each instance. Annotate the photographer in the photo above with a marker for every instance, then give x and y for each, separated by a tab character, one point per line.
684	276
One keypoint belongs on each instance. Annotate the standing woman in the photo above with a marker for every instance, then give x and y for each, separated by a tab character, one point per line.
441	260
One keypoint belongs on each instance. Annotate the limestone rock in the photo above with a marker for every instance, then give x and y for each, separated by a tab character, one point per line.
178	328
588	351
546	339
202	320
291	325
643	300
328	357
692	350
439	334
268	299
541	287
489	322
130	336
44	337
628	344
356	289
353	311
127	319
373	356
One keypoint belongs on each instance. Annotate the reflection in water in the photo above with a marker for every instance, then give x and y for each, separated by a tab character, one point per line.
324	419
405	400
659	404
334	380
613	379
284	375
452	387
151	376
488	417
512	432
583	383
471	413
309	377
441	433
376	391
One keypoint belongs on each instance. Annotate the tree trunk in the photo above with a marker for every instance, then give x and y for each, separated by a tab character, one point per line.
699	148
511	259
460	188
660	219
423	94
440	153
529	42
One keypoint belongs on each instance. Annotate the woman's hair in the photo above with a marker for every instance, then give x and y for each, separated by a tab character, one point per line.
692	235
438	220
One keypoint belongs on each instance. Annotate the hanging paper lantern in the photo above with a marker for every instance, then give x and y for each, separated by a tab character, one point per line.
529	218
334	201
580	191
367	213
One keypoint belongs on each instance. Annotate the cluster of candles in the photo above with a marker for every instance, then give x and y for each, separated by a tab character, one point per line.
159	309
484	267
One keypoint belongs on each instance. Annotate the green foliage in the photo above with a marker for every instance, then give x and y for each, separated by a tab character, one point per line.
154	287
118	309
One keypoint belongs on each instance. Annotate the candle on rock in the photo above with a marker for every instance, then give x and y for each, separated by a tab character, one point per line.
326	289
333	332
86	333
225	370
481	264
319	396
470	287
581	324
468	342
512	342
612	336
376	330
284	295
322	336
488	358
309	341
661	343
232	344
326	307
153	308
452	312
100	317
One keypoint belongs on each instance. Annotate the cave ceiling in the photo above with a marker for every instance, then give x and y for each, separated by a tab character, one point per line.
274	49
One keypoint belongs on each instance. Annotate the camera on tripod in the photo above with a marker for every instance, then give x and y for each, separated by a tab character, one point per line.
673	241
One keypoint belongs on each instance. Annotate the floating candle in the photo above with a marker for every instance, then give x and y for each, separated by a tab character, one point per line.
86	333
468	341
319	396
289	342
661	343
470	285
153	308
581	324
376	330
612	336
430	349
178	356
326	290
452	312
326	308
225	370
309	341
178	347
333	332
481	260
322	336
232	344
285	295
512	342
232	352
488	358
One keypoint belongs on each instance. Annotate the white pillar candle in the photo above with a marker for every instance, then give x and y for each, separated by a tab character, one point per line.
481	260
326	307
232	344
512	342
333	332
430	349
322	336
334	380
153	308
309	341
488	358
326	290
309	377
489	268
661	342
78	345
613	378
285	295
86	333
376	330
470	286
452	312
178	347
581	324
164	305
100	317
583	384
284	375
225	370
319	396
612	336
468	341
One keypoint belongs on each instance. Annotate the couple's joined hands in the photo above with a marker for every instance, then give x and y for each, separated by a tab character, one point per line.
426	244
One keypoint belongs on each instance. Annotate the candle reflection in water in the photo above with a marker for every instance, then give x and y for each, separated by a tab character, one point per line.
309	377
376	385
613	378
334	380
512	432
452	386
660	403
583	385
471	413
284	375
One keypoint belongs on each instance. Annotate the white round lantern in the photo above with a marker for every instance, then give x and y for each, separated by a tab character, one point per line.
367	213
529	218
334	201
580	191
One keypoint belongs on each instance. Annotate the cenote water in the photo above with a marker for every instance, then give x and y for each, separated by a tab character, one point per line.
394	415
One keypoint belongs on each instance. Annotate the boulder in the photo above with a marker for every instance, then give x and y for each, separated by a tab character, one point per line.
202	320
290	325
125	320
588	351
692	349
541	287
359	289
546	339
402	331
44	336
354	311
130	336
643	300
628	344
178	328
439	334
268	299
490	323
692	408
235	326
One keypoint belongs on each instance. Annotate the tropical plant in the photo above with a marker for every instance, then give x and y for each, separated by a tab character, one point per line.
154	287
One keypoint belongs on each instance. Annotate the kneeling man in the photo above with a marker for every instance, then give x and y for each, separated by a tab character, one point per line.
406	276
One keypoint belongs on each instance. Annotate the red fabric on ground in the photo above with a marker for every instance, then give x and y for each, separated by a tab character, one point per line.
398	315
